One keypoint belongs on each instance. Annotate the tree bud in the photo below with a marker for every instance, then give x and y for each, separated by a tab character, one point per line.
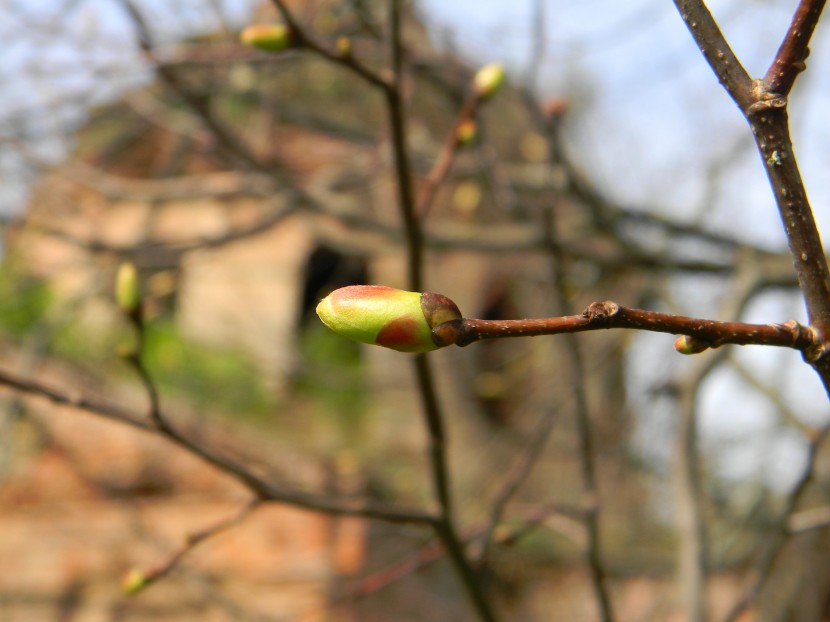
134	581
466	132
267	37
344	46
686	344
488	80
127	289
388	317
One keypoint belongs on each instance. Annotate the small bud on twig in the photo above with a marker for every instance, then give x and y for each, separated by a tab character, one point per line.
267	37
387	317
134	581
127	289
344	47
466	132
488	80
686	344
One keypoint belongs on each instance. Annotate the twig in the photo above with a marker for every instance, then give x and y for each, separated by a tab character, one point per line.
434	551
777	540
433	417
232	143
766	111
716	50
263	489
608	314
518	475
577	370
789	61
160	571
302	38
445	158
403	169
808	520
689	513
73	400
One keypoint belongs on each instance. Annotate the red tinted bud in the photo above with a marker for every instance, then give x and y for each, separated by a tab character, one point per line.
387	317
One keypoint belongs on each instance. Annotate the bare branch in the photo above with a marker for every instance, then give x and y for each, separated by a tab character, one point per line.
716	51
766	111
777	539
608	314
306	40
150	576
789	61
264	490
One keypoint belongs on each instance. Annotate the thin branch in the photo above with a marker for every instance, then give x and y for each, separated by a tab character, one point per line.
518	474
689	512
766	111
776	541
433	417
605	315
716	51
264	490
403	169
808	520
302	38
789	61
443	163
150	576
73	400
578	374
435	550
232	143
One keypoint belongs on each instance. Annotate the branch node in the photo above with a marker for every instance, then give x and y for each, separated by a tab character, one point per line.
764	98
599	311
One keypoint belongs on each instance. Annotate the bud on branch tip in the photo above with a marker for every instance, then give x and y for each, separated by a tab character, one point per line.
127	289
267	37
134	581
488	80
386	316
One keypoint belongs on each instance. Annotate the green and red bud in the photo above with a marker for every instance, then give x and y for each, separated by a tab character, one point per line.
267	37
386	316
488	81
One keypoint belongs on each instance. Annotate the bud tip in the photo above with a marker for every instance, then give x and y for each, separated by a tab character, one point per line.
488	80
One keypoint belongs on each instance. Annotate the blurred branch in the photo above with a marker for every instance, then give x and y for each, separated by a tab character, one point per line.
232	142
304	39
693	558
578	373
807	520
264	490
784	526
772	393
517	476
144	578
433	417
434	551
443	163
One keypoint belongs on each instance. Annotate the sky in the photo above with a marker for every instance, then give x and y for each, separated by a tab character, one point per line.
644	107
